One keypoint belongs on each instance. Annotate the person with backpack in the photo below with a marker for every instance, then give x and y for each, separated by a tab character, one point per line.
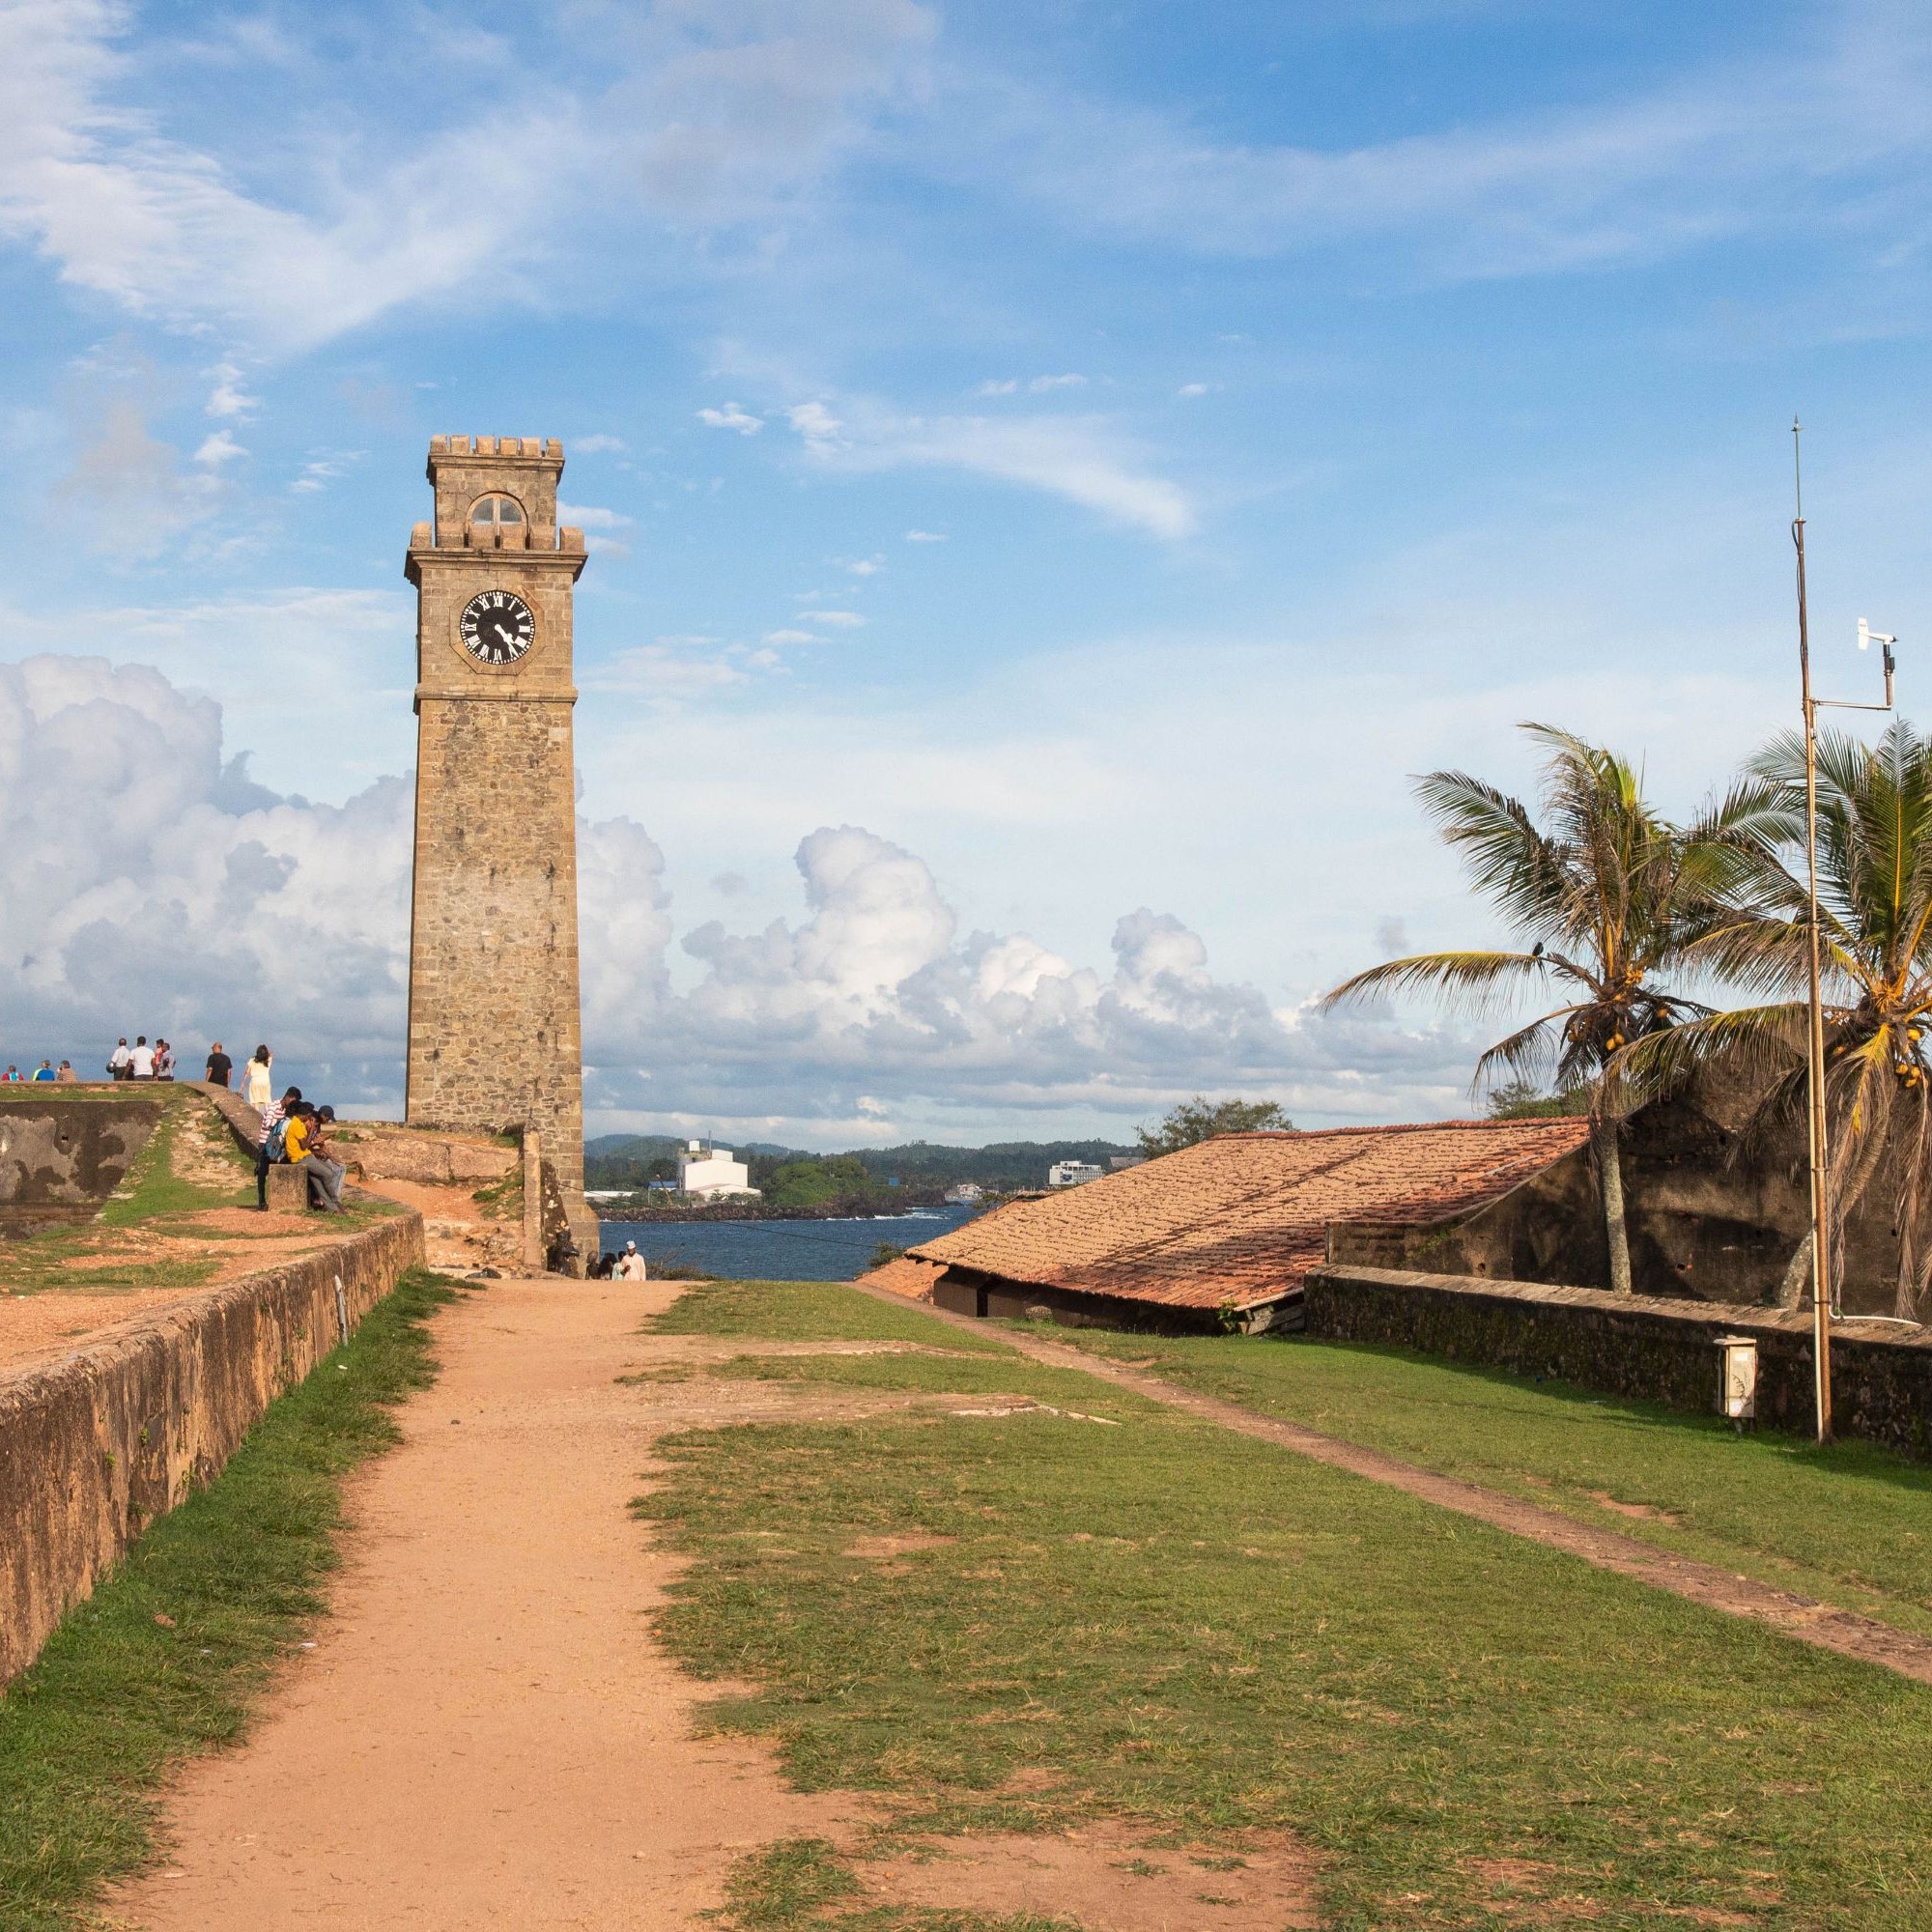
272	1147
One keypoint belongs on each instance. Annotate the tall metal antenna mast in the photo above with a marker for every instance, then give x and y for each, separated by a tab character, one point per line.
1817	1144
1824	1287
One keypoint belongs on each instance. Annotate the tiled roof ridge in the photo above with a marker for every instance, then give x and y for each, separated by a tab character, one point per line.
1536	1126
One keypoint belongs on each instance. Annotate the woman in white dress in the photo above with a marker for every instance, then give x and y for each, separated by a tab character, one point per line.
257	1088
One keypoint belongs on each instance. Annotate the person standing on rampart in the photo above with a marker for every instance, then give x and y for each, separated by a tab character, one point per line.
120	1062
219	1066
257	1088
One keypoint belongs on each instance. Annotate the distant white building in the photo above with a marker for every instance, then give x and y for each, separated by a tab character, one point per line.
963	1193
709	1173
1071	1172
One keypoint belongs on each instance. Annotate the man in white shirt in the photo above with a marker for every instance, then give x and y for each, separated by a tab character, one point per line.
117	1061
630	1264
141	1061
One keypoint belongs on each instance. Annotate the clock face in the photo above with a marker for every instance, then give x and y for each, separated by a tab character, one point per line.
498	627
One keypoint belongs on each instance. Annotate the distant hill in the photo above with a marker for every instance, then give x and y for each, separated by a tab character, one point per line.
627	1160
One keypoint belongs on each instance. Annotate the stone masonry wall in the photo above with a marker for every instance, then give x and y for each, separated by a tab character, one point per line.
494	1027
1657	1349
68	1155
96	1443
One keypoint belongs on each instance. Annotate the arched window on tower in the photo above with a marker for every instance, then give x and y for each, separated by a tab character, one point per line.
498	522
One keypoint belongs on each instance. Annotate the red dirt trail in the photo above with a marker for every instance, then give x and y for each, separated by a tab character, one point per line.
485	1734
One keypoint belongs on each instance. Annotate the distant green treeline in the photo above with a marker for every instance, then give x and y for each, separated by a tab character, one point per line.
795	1177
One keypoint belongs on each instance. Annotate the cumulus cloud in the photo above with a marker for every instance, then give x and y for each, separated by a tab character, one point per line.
731	416
146	881
218	448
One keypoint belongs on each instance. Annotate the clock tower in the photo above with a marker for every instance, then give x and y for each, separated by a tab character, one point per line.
494	1039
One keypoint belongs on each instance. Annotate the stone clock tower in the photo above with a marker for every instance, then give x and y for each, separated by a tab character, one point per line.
495	1038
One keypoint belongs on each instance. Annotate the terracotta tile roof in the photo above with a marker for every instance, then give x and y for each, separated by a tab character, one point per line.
904	1275
1242	1218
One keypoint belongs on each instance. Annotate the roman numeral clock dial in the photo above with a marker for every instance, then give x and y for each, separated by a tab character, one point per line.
498	627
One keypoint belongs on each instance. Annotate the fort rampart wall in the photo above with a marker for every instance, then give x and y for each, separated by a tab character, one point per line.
1654	1348
95	1444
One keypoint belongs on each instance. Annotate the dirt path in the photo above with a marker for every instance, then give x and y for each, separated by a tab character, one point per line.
1802	1617
484	1734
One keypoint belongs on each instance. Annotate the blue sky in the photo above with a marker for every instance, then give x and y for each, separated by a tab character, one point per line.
1054	473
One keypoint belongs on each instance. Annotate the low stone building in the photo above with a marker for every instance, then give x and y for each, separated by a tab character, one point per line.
1222	1234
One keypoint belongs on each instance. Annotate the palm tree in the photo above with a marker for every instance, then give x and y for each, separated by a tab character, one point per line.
1875	928
1604	900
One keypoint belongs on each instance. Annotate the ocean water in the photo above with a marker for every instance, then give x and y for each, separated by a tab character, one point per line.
779	1250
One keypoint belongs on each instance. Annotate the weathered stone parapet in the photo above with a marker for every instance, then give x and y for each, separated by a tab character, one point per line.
96	1443
1654	1348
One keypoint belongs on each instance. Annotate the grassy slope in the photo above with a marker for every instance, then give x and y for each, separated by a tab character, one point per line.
1850	1524
1162	1621
157	1198
118	1697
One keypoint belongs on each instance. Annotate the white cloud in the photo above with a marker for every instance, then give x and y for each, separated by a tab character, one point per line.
596	445
1079	459
319	472
228	398
706	117
1716	150
839	620
819	427
1038	385
590	517
924	536
218	448
1083	460
731	416
791	638
1192	389
146	883
673	669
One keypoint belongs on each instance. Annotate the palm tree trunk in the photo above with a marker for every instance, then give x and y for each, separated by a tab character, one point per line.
1796	1276
1610	1173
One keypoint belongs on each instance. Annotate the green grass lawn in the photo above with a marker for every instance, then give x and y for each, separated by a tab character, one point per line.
1164	1622
805	1311
167	1657
1849	1524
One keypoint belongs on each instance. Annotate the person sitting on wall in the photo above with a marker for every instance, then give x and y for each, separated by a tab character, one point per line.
64	1072
308	1148
295	1139
269	1148
219	1066
120	1064
44	1071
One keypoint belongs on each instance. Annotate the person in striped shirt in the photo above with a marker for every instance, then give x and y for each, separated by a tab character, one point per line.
272	1113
